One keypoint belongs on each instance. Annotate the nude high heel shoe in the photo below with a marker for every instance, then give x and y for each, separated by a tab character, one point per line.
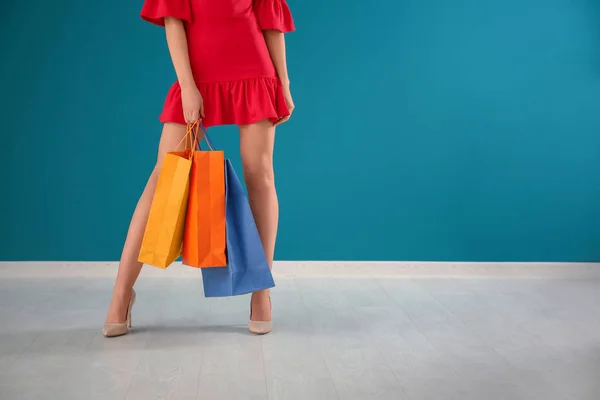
120	329
259	327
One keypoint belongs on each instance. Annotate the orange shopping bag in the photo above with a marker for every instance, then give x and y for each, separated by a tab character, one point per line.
204	239
163	235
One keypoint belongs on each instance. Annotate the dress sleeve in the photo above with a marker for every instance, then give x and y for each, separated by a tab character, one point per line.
274	14
155	11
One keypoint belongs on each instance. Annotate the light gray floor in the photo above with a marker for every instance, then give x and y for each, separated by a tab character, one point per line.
334	338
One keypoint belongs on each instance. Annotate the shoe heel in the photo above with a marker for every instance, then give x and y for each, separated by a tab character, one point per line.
131	303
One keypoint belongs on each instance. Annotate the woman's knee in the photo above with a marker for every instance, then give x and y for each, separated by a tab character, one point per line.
256	146
259	175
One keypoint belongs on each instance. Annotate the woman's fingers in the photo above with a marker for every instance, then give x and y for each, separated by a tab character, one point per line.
191	116
194	114
282	120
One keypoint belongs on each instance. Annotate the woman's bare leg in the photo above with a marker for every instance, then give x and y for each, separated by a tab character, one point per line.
130	267
256	146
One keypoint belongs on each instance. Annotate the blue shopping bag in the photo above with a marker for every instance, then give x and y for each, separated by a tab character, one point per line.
247	269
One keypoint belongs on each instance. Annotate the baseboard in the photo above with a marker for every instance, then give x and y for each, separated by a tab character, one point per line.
391	269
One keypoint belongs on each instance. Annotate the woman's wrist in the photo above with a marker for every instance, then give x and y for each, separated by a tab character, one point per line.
184	85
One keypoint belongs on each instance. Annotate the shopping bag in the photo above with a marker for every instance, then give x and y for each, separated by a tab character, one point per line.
204	238
247	269
163	235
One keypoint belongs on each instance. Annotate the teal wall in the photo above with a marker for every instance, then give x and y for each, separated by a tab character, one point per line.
425	129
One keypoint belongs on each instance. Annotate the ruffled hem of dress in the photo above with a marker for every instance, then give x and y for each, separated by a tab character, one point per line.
238	102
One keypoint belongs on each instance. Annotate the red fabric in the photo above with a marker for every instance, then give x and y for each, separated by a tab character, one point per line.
274	14
155	11
229	57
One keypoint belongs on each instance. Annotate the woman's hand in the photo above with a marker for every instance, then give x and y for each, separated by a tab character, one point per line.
192	103
289	102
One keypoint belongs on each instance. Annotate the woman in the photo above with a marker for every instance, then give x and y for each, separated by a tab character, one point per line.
229	58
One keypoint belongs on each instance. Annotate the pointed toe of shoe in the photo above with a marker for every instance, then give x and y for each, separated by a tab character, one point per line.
260	327
113	330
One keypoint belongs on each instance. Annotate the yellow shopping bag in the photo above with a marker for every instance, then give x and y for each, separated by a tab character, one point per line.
163	236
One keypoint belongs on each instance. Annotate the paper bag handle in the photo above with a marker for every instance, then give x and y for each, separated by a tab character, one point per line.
191	134
190	137
206	137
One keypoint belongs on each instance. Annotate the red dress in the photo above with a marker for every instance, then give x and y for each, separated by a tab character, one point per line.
229	57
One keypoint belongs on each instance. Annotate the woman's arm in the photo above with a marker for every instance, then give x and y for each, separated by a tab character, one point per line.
276	45
177	42
193	108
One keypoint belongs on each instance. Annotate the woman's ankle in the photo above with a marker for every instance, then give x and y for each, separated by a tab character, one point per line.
122	291
261	297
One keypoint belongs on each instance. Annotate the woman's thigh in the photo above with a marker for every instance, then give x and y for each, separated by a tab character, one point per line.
257	142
